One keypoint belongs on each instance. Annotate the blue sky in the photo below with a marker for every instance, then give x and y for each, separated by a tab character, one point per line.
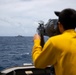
20	17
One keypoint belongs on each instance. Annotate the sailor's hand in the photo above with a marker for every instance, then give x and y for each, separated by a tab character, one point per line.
36	37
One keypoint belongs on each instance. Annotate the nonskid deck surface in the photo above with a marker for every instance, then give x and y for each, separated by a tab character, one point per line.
27	70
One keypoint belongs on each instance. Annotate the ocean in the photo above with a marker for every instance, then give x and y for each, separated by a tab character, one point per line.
15	51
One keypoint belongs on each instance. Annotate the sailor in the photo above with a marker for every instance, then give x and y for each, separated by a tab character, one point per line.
59	50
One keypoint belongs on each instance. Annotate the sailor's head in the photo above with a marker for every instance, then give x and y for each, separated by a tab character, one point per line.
67	18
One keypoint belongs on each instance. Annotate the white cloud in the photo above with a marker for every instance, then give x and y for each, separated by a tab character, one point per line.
19	16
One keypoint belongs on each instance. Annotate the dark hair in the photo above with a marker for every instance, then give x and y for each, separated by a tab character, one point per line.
67	18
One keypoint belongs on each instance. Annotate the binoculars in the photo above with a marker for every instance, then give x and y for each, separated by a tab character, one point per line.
48	29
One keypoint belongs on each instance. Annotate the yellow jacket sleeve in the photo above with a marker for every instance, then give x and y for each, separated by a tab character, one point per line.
42	57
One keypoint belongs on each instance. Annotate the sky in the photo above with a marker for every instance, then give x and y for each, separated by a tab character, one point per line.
21	17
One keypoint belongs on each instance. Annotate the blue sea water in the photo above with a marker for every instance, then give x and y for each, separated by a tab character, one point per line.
15	51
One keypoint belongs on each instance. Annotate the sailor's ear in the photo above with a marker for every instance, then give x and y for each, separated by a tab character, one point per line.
61	28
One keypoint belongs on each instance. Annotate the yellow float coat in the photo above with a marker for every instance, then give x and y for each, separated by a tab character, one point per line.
59	51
